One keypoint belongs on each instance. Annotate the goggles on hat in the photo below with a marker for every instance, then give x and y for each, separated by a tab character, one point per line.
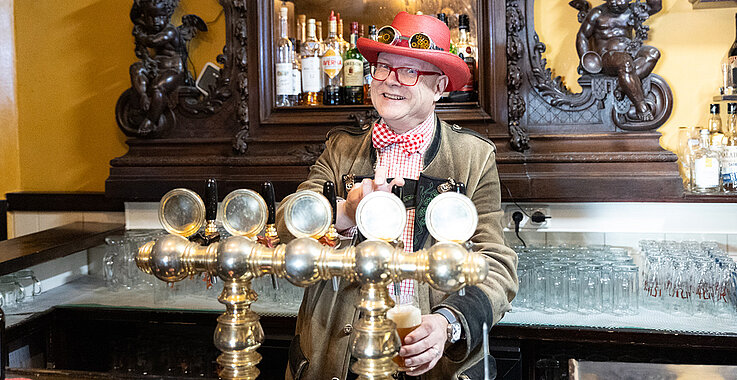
391	36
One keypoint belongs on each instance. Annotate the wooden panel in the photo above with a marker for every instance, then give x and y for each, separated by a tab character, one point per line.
29	250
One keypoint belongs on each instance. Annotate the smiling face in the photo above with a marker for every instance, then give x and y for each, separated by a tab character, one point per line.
405	107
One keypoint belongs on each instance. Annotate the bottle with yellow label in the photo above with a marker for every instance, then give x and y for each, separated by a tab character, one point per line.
332	65
706	167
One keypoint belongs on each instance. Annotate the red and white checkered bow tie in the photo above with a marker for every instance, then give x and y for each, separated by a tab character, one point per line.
383	137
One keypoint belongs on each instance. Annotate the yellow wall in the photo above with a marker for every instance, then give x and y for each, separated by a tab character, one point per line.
73	59
9	163
692	43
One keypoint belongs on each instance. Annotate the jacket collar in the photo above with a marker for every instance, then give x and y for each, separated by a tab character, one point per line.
430	153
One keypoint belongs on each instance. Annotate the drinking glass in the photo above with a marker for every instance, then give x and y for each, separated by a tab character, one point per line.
589	293
556	288
27	279
625	290
406	314
10	295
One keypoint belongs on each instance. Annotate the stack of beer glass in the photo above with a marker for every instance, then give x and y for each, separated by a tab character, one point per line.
586	280
689	278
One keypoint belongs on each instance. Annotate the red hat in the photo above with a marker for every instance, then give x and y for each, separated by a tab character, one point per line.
409	24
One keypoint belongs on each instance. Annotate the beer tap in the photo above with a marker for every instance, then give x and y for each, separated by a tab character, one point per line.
210	234
331	237
397	191
373	264
270	238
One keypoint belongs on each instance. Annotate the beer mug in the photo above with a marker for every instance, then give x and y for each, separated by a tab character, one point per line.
405	314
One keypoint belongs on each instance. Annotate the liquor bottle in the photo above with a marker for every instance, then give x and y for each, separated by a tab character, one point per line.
344	45
729	155
296	76
318	27
732	65
367	78
467	51
283	63
444	18
311	71
301	32
714	125
353	71
332	65
691	145
705	170
730	128
445	97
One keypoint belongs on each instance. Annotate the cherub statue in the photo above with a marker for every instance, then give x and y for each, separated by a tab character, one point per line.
162	67
610	41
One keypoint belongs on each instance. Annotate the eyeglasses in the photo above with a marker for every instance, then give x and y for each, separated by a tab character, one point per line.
406	76
391	36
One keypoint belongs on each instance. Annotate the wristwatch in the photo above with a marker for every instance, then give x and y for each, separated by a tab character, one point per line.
454	325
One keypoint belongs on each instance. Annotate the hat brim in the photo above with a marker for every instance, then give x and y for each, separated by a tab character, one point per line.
450	64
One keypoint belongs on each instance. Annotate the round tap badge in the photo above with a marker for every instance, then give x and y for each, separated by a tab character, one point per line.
182	212
243	213
451	217
308	214
381	216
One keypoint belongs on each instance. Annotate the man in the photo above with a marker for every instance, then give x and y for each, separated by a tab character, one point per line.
609	27
410	144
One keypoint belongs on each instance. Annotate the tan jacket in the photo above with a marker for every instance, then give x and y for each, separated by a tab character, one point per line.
324	324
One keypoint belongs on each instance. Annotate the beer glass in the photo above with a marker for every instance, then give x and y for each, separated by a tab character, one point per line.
405	314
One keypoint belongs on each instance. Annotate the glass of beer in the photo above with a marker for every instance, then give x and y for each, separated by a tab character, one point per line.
405	314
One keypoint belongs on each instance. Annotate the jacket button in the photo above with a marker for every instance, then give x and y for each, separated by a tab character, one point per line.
347	329
335	378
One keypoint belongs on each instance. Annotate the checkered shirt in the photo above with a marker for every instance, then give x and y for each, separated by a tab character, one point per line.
400	163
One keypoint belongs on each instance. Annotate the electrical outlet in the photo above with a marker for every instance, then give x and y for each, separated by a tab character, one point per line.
527	211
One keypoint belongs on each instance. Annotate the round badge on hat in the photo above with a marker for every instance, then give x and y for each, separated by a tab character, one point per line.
408	24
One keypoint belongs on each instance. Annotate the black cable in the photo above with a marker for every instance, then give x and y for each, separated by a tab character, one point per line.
511	198
517	218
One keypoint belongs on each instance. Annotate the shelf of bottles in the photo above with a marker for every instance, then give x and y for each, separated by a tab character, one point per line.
313	69
708	156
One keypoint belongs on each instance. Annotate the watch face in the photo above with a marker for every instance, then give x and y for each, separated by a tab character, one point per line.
455	331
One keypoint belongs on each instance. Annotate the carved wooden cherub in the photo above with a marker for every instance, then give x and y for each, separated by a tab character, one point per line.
162	67
610	40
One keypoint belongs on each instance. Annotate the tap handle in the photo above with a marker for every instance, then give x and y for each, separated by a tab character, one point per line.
398	191
211	199
460	188
328	190
267	192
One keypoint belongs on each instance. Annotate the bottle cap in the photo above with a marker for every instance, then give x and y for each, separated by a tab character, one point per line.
463	22
704	132
283	12
714	108
443	18
354	27
332	16
732	108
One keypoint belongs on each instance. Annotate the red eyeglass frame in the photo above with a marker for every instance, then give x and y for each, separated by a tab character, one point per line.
396	74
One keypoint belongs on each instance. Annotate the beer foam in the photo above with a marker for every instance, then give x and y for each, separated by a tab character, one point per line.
405	316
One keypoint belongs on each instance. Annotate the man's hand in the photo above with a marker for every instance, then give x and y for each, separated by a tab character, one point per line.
346	216
423	347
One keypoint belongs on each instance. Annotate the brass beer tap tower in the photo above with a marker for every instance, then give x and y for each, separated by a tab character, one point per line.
447	266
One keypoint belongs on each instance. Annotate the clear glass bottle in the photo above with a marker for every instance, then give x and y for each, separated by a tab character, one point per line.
332	65
445	97
353	71
294	95
284	63
344	45
705	168
367	78
730	128
731	62
714	124
467	51
311	71
301	32
729	151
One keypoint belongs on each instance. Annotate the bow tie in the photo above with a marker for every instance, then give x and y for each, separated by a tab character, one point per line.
383	137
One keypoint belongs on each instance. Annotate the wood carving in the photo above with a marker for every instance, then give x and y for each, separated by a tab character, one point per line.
516	105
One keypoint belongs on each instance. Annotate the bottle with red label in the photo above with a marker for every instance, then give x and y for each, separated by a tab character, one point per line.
467	50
